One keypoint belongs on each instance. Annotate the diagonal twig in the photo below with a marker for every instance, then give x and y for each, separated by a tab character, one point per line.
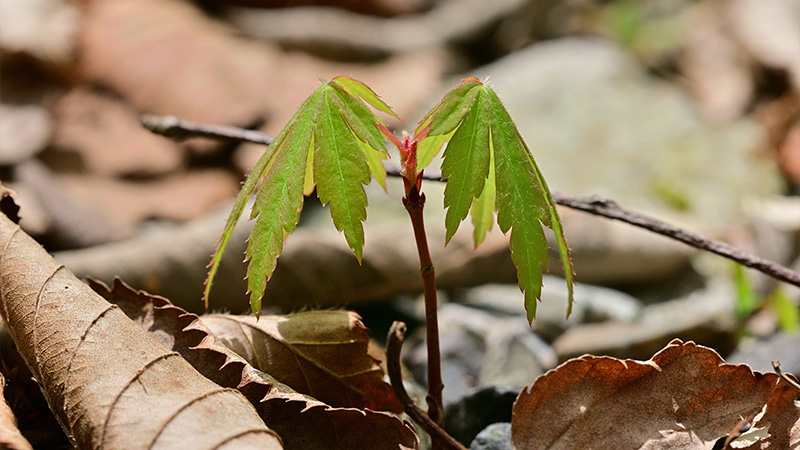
174	127
394	344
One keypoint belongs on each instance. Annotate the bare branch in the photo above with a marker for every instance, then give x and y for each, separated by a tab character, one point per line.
394	344
180	129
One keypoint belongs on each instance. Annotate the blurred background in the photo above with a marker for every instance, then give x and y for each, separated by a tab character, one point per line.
686	110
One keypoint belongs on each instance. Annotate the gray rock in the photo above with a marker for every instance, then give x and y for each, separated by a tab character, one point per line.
479	349
481	407
759	354
515	355
597	123
592	304
496	436
705	316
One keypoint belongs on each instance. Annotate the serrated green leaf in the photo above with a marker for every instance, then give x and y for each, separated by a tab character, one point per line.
484	135
429	147
375	162
341	172
445	116
466	164
360	89
332	143
483	209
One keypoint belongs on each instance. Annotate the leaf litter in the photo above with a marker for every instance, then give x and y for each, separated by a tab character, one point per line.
300	420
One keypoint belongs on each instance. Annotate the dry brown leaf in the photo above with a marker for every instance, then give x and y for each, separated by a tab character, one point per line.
109	383
168	58
301	421
10	436
683	397
106	133
318	353
179	197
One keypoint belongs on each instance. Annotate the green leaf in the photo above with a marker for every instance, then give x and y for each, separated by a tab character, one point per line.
341	169
485	135
483	209
466	164
332	143
786	310
746	298
360	89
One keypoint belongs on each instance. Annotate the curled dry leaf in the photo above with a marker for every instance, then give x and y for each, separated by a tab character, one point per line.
10	436
318	353
109	383
683	397
301	421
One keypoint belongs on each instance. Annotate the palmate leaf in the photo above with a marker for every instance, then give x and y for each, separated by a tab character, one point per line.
332	143
489	168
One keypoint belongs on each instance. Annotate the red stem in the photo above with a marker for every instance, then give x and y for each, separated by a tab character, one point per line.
414	203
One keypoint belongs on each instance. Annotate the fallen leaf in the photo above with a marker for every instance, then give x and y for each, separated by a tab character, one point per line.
318	353
301	421
179	197
109	383
8	204
106	133
169	58
683	397
10	436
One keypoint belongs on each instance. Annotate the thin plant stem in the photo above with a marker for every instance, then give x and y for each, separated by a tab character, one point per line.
414	203
394	344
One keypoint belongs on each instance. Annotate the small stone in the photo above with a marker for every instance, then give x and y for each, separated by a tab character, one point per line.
705	316
496	436
478	409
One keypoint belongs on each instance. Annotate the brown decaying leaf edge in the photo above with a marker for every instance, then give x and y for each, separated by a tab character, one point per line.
604	402
10	436
109	383
320	353
301	421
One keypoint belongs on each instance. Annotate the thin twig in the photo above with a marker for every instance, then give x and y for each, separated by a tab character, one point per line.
179	129
609	209
173	127
394	344
777	366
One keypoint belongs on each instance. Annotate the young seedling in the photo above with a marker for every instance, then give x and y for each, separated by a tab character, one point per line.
336	143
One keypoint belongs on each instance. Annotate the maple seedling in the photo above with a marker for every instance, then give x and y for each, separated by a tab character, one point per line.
335	143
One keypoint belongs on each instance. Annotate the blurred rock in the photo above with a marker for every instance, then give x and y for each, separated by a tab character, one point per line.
598	124
462	346
169	58
496	436
179	197
514	355
24	131
337	33
44	29
759	353
706	317
106	133
717	71
480	408
479	349
386	8
789	157
770	30
592	304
